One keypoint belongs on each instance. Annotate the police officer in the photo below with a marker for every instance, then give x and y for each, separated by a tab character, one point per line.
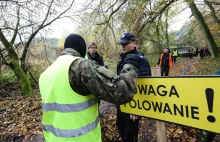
128	125
70	88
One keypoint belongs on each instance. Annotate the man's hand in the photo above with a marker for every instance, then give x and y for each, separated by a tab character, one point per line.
133	117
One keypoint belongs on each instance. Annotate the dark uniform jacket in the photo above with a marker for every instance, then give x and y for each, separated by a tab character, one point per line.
143	69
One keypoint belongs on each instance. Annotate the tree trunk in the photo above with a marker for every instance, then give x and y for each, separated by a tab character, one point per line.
213	13
205	29
159	40
26	89
166	22
13	63
138	23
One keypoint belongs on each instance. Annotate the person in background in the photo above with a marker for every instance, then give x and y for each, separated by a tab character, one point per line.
128	125
70	88
94	55
190	53
165	62
201	53
175	55
197	52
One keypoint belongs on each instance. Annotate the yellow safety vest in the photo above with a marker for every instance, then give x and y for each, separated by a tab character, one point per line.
175	53
67	116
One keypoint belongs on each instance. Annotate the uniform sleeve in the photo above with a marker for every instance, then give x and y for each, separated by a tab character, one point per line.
103	83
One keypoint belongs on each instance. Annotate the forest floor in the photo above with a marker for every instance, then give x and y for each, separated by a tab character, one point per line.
20	117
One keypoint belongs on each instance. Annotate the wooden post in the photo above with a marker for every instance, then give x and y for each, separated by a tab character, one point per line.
161	128
156	71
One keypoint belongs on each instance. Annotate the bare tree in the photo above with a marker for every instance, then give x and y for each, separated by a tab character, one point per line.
21	21
136	15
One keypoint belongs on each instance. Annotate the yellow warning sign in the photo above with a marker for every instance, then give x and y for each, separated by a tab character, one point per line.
191	101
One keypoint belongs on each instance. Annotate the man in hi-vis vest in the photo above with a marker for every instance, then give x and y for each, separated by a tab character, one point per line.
165	62
175	55
70	88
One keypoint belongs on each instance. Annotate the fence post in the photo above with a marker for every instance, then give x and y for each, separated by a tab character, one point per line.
161	127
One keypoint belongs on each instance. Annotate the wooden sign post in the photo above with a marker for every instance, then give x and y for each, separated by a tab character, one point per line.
161	127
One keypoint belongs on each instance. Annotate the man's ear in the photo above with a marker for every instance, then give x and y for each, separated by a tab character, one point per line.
135	43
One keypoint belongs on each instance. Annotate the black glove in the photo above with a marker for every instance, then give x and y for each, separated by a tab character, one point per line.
132	59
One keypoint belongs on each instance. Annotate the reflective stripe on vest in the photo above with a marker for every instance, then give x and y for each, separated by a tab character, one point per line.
68	107
73	132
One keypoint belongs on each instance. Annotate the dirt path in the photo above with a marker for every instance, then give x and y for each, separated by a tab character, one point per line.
188	66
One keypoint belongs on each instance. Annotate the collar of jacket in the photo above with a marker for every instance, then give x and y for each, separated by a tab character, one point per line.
122	55
92	55
95	56
70	51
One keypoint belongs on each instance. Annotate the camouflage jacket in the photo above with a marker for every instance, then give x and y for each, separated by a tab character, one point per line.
86	78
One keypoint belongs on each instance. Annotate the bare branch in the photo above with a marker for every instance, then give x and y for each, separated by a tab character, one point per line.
215	3
41	27
2	57
113	13
4	40
58	15
212	12
8	28
154	17
112	5
48	12
16	29
29	25
32	77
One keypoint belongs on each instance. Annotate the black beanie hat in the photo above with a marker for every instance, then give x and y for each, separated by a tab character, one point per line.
76	42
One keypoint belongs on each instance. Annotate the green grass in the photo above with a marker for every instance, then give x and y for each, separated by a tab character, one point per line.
7	78
152	59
